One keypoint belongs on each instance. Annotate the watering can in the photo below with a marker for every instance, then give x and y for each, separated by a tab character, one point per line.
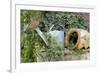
58	35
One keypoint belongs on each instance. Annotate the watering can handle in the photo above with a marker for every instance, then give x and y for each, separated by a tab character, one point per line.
53	26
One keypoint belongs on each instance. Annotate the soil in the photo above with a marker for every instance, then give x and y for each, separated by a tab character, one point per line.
71	56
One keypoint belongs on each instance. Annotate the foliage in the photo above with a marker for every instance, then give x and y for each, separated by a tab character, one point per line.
72	40
33	49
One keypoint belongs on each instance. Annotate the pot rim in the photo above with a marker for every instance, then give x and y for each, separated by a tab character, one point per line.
68	35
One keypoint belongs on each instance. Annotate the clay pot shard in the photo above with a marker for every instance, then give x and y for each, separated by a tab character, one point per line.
80	41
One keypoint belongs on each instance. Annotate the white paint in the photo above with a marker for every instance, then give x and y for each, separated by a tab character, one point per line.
5	30
49	65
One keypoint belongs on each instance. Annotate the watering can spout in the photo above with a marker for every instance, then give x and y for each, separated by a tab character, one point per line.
42	35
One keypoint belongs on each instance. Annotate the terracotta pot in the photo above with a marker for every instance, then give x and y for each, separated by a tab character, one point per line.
82	40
